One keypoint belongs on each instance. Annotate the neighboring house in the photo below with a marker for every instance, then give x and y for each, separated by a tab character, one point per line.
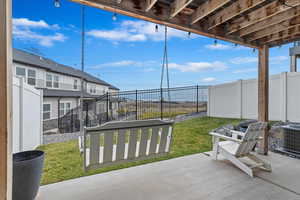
61	84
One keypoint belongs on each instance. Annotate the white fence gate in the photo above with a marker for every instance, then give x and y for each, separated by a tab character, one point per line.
239	99
27	116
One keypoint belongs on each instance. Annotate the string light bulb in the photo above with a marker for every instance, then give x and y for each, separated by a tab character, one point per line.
189	34
216	42
253	50
114	17
156	28
57	3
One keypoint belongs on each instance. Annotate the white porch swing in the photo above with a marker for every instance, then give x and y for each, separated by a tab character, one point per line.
119	142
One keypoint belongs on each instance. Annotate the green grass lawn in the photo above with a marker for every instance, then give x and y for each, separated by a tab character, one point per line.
63	160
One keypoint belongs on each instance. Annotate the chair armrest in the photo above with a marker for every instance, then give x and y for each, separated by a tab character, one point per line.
235	132
214	134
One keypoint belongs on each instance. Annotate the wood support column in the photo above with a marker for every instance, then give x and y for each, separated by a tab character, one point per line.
263	93
5	100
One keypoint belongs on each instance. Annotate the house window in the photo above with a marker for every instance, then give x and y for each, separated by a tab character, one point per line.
56	81
31	77
49	80
46	111
20	71
75	84
52	81
64	108
93	89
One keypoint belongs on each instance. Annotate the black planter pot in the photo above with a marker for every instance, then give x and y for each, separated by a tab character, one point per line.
27	172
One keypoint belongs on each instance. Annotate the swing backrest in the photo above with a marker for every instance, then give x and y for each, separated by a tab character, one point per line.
124	141
251	137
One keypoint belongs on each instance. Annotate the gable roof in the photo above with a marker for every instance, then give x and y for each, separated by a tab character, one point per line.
24	57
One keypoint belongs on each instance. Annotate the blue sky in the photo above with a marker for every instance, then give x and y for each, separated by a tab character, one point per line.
128	52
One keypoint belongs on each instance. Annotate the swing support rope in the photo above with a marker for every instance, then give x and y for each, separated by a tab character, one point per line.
165	64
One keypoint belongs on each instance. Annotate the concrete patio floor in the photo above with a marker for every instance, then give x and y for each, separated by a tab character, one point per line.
186	178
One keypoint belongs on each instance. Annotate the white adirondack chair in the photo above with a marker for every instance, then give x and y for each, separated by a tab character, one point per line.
125	141
235	149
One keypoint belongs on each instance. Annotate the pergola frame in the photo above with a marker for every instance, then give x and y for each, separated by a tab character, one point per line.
257	24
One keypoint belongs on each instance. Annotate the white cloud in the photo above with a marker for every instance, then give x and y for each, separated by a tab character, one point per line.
24	22
199	66
245	60
278	59
208	80
218	46
24	29
125	63
151	69
137	31
247	70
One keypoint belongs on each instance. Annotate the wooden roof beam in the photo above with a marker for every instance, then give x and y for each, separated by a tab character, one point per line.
208	8
271	21
260	14
234	10
275	29
150	4
178	5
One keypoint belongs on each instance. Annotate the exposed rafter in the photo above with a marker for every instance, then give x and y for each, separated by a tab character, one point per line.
260	14
271	21
283	41
150	4
236	9
208	8
283	35
285	25
178	5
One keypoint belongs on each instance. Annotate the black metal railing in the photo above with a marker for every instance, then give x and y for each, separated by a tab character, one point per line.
138	104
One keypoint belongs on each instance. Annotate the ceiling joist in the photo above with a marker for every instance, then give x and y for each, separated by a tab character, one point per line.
236	9
260	14
150	4
283	35
178	5
208	8
275	29
271	21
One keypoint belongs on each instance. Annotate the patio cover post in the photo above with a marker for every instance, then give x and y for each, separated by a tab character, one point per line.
5	100
263	93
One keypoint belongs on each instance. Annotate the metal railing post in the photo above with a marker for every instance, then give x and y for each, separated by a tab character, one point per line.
136	105
197	99
107	106
58	111
72	123
87	114
161	104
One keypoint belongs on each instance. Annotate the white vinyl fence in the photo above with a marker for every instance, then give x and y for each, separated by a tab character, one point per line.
27	116
239	99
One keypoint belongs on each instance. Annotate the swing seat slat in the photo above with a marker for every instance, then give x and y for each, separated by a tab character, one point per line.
125	141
